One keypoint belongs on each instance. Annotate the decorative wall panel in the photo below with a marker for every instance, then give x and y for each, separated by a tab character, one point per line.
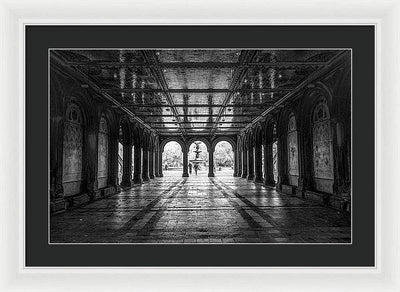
72	151
102	168
322	149
292	145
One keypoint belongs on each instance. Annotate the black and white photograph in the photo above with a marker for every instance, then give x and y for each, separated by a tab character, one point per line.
200	146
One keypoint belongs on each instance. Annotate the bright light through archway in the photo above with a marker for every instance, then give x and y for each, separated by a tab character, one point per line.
224	159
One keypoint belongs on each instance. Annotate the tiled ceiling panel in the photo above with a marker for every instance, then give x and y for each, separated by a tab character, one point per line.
196	92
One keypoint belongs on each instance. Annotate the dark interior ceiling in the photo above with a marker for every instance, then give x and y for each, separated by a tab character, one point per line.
196	92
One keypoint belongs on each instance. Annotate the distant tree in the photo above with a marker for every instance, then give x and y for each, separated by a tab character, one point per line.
172	155
223	155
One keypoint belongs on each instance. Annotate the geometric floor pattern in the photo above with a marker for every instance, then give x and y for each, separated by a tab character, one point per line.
198	209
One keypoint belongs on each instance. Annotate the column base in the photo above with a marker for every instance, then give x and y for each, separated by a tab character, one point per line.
152	176
185	175
58	206
126	184
244	175
137	180
250	177
211	175
269	183
258	180
146	178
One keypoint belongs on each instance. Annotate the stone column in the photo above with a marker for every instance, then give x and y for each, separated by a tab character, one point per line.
235	166
250	163
145	169
91	161
160	164
151	164
113	162
211	163
137	174
57	203
185	163
127	166
239	159
268	165
258	164
244	163
156	167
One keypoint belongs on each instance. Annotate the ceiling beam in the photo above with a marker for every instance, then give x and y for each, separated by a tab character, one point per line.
331	65
245	57
221	122
151	59
195	65
209	90
194	115
259	105
81	77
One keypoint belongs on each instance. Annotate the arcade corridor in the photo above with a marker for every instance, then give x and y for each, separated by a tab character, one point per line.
277	120
199	209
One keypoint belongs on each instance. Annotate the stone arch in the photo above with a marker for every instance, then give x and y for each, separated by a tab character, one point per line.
166	140
124	130
270	129
138	136
322	152
73	169
310	100
288	161
103	152
257	134
223	139
194	139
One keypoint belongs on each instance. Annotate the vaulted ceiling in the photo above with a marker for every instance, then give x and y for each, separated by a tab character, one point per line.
196	92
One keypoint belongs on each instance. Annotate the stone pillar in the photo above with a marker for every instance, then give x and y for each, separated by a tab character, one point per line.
113	162
185	163
235	166
258	164
239	159
244	163
156	167
151	164
211	163
250	163
268	165
91	164
127	166
145	169
57	202
137	174
160	164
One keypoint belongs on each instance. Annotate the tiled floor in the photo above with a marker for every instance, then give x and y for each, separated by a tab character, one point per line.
199	209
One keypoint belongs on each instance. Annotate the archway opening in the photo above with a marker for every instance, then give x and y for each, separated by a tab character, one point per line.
262	161
198	159
275	160
224	159
172	159
120	161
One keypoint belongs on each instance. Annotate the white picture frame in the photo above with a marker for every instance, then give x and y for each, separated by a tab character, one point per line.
15	15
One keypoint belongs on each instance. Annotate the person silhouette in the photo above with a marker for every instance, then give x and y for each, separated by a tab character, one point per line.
190	168
196	168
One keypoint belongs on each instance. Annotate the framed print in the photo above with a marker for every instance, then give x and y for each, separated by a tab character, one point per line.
240	152
171	150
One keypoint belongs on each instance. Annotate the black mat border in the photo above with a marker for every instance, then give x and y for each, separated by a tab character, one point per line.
39	38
